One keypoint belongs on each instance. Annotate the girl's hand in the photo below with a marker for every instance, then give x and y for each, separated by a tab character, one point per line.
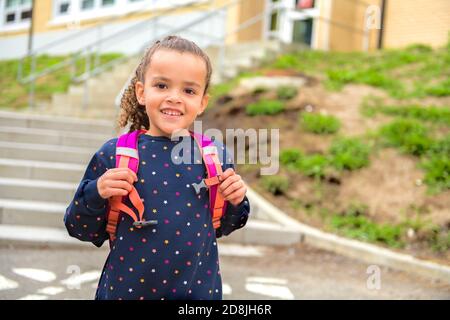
232	187
116	182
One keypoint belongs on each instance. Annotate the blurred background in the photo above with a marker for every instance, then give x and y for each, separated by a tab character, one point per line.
358	89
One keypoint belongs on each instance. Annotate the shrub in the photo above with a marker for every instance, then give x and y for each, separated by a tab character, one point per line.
441	89
437	165
276	185
352	223
286	92
313	165
290	156
349	153
320	124
437	172
432	114
269	107
407	134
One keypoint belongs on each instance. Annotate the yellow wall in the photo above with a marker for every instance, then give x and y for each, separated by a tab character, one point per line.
248	10
418	21
43	15
347	25
406	22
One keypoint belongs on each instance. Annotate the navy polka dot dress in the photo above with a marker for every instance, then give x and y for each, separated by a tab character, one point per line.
178	257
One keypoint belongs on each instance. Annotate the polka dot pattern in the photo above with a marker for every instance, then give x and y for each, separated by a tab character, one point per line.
177	258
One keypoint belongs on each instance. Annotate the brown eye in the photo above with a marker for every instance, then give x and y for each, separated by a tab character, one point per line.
190	91
160	86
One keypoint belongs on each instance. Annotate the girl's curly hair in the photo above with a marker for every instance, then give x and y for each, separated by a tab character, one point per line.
131	110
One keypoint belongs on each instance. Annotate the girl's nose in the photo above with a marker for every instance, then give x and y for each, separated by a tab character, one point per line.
174	97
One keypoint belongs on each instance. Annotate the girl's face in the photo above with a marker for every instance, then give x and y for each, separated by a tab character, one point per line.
173	91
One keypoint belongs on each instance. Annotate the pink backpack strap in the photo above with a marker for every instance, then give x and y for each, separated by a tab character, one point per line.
210	156
127	156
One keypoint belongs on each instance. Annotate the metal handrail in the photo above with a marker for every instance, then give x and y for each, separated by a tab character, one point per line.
85	48
221	40
88	49
188	25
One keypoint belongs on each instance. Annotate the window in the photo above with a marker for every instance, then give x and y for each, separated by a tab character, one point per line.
87	4
106	3
304	4
10	17
17	11
64	7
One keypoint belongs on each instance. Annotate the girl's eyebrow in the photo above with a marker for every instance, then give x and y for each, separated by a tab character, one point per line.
189	83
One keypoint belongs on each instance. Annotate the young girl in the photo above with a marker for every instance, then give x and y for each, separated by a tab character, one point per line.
176	258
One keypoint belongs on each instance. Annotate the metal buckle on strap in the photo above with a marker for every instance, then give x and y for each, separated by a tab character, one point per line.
129	152
145	223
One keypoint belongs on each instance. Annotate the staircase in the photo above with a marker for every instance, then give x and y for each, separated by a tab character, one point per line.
102	91
42	160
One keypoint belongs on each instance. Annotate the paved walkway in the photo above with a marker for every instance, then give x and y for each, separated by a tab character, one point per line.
249	272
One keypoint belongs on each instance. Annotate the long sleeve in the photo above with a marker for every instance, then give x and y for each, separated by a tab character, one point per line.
85	217
235	217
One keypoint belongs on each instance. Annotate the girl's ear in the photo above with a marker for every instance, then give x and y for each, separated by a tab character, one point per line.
204	103
139	89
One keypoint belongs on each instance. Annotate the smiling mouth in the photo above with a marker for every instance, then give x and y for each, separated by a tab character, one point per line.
172	113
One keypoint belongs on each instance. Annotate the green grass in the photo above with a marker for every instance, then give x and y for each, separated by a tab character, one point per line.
290	156
286	92
313	165
224	88
423	113
436	164
344	154
349	153
14	95
412	72
354	224
265	107
276	185
318	123
409	135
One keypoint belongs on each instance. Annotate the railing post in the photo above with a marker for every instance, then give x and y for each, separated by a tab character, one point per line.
221	57
20	70
99	43
32	83
88	76
73	66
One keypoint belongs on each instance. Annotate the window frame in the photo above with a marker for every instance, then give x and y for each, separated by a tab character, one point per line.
17	10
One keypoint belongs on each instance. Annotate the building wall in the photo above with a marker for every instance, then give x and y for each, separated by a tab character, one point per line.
46	30
248	10
45	21
416	21
347	25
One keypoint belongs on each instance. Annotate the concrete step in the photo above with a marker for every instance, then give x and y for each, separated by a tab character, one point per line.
44	152
41	170
255	233
32	213
242	63
99	102
106	112
38	236
37	190
43	136
29	120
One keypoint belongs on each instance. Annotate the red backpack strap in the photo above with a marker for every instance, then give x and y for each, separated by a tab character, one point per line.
208	150
127	156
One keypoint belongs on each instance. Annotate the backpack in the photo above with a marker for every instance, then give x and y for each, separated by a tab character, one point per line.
127	155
